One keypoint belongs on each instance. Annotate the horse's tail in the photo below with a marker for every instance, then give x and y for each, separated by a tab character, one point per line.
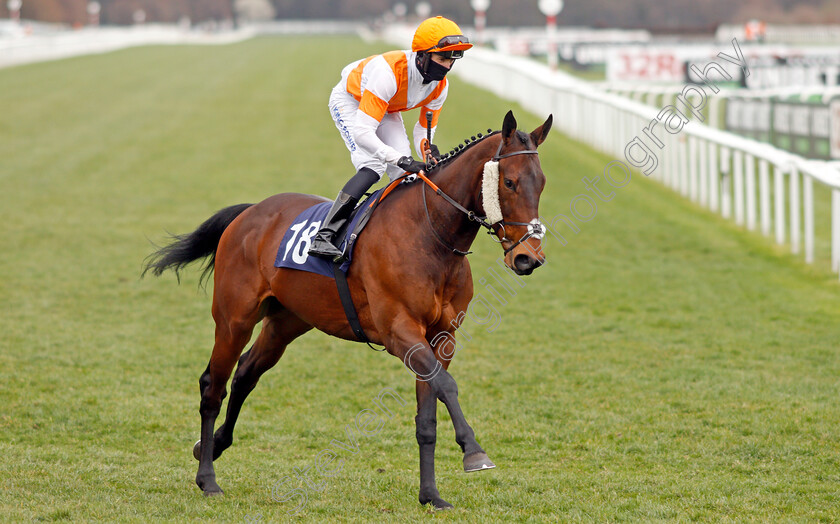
199	244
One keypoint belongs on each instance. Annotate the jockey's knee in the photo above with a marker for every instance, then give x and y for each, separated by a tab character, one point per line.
361	182
363	161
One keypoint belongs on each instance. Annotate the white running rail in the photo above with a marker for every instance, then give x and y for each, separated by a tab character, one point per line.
57	44
734	176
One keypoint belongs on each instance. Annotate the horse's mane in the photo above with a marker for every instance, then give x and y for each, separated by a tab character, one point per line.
460	148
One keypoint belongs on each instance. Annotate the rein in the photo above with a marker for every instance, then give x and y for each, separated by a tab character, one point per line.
534	228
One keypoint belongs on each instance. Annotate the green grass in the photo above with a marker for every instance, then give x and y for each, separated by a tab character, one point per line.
664	365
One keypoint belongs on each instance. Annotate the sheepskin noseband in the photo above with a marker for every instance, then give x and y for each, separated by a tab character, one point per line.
490	191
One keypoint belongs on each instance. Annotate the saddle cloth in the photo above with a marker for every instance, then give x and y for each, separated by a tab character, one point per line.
293	252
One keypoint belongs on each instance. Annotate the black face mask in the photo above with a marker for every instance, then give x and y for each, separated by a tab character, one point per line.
431	70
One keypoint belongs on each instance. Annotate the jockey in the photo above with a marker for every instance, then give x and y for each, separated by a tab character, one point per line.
366	106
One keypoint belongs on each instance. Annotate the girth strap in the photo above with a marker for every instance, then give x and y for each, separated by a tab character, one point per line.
347	304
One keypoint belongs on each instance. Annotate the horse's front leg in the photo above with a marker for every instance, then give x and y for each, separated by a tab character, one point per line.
426	423
408	343
445	388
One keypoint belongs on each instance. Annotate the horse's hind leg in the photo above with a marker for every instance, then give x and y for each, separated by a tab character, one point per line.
234	325
279	329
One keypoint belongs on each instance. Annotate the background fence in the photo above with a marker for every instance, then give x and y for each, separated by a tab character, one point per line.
757	185
803	120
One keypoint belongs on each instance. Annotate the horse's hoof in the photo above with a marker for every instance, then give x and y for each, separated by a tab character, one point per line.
208	486
477	462
437	503
197	450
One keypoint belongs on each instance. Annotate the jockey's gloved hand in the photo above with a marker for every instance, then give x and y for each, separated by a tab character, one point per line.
410	165
435	151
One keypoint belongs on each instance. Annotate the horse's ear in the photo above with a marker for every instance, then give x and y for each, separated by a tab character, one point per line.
538	135
508	126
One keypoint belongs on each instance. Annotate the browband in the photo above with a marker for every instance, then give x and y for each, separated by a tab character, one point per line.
498	157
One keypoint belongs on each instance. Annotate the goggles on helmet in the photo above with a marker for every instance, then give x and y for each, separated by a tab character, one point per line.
449	41
453	55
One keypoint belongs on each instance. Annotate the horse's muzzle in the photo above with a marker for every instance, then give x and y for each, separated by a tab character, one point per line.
525	264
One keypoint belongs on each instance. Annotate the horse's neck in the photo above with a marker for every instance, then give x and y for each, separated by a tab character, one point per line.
461	180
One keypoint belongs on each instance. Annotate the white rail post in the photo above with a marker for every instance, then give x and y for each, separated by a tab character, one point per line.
764	193
779	203
794	210
606	123
683	166
671	145
630	130
573	110
622	136
750	191
725	185
704	173
668	157
593	124
714	177
611	138
595	138
835	229
738	185
583	119
693	183
808	211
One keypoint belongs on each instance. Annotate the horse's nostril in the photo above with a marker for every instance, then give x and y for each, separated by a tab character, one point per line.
525	263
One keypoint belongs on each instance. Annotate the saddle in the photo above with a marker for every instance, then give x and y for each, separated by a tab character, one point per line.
293	252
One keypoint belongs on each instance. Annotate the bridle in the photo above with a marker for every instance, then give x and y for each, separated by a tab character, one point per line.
535	228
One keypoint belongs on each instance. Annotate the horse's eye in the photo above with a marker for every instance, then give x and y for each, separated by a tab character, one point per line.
509	183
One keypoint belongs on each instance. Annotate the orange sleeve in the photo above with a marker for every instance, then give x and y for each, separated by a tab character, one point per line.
435	115
373	106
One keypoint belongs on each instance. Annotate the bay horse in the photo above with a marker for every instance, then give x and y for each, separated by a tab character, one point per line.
409	281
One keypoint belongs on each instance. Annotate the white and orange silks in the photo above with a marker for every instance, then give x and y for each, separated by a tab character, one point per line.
366	106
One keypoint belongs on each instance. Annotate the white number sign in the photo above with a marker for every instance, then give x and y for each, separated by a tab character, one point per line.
301	240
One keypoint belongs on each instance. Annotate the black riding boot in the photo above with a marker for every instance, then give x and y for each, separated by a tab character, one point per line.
323	241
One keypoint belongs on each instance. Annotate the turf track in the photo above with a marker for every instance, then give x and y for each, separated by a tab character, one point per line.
664	365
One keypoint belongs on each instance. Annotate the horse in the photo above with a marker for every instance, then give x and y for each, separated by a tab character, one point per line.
408	283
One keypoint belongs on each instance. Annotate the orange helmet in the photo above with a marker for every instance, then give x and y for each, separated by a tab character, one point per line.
440	35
